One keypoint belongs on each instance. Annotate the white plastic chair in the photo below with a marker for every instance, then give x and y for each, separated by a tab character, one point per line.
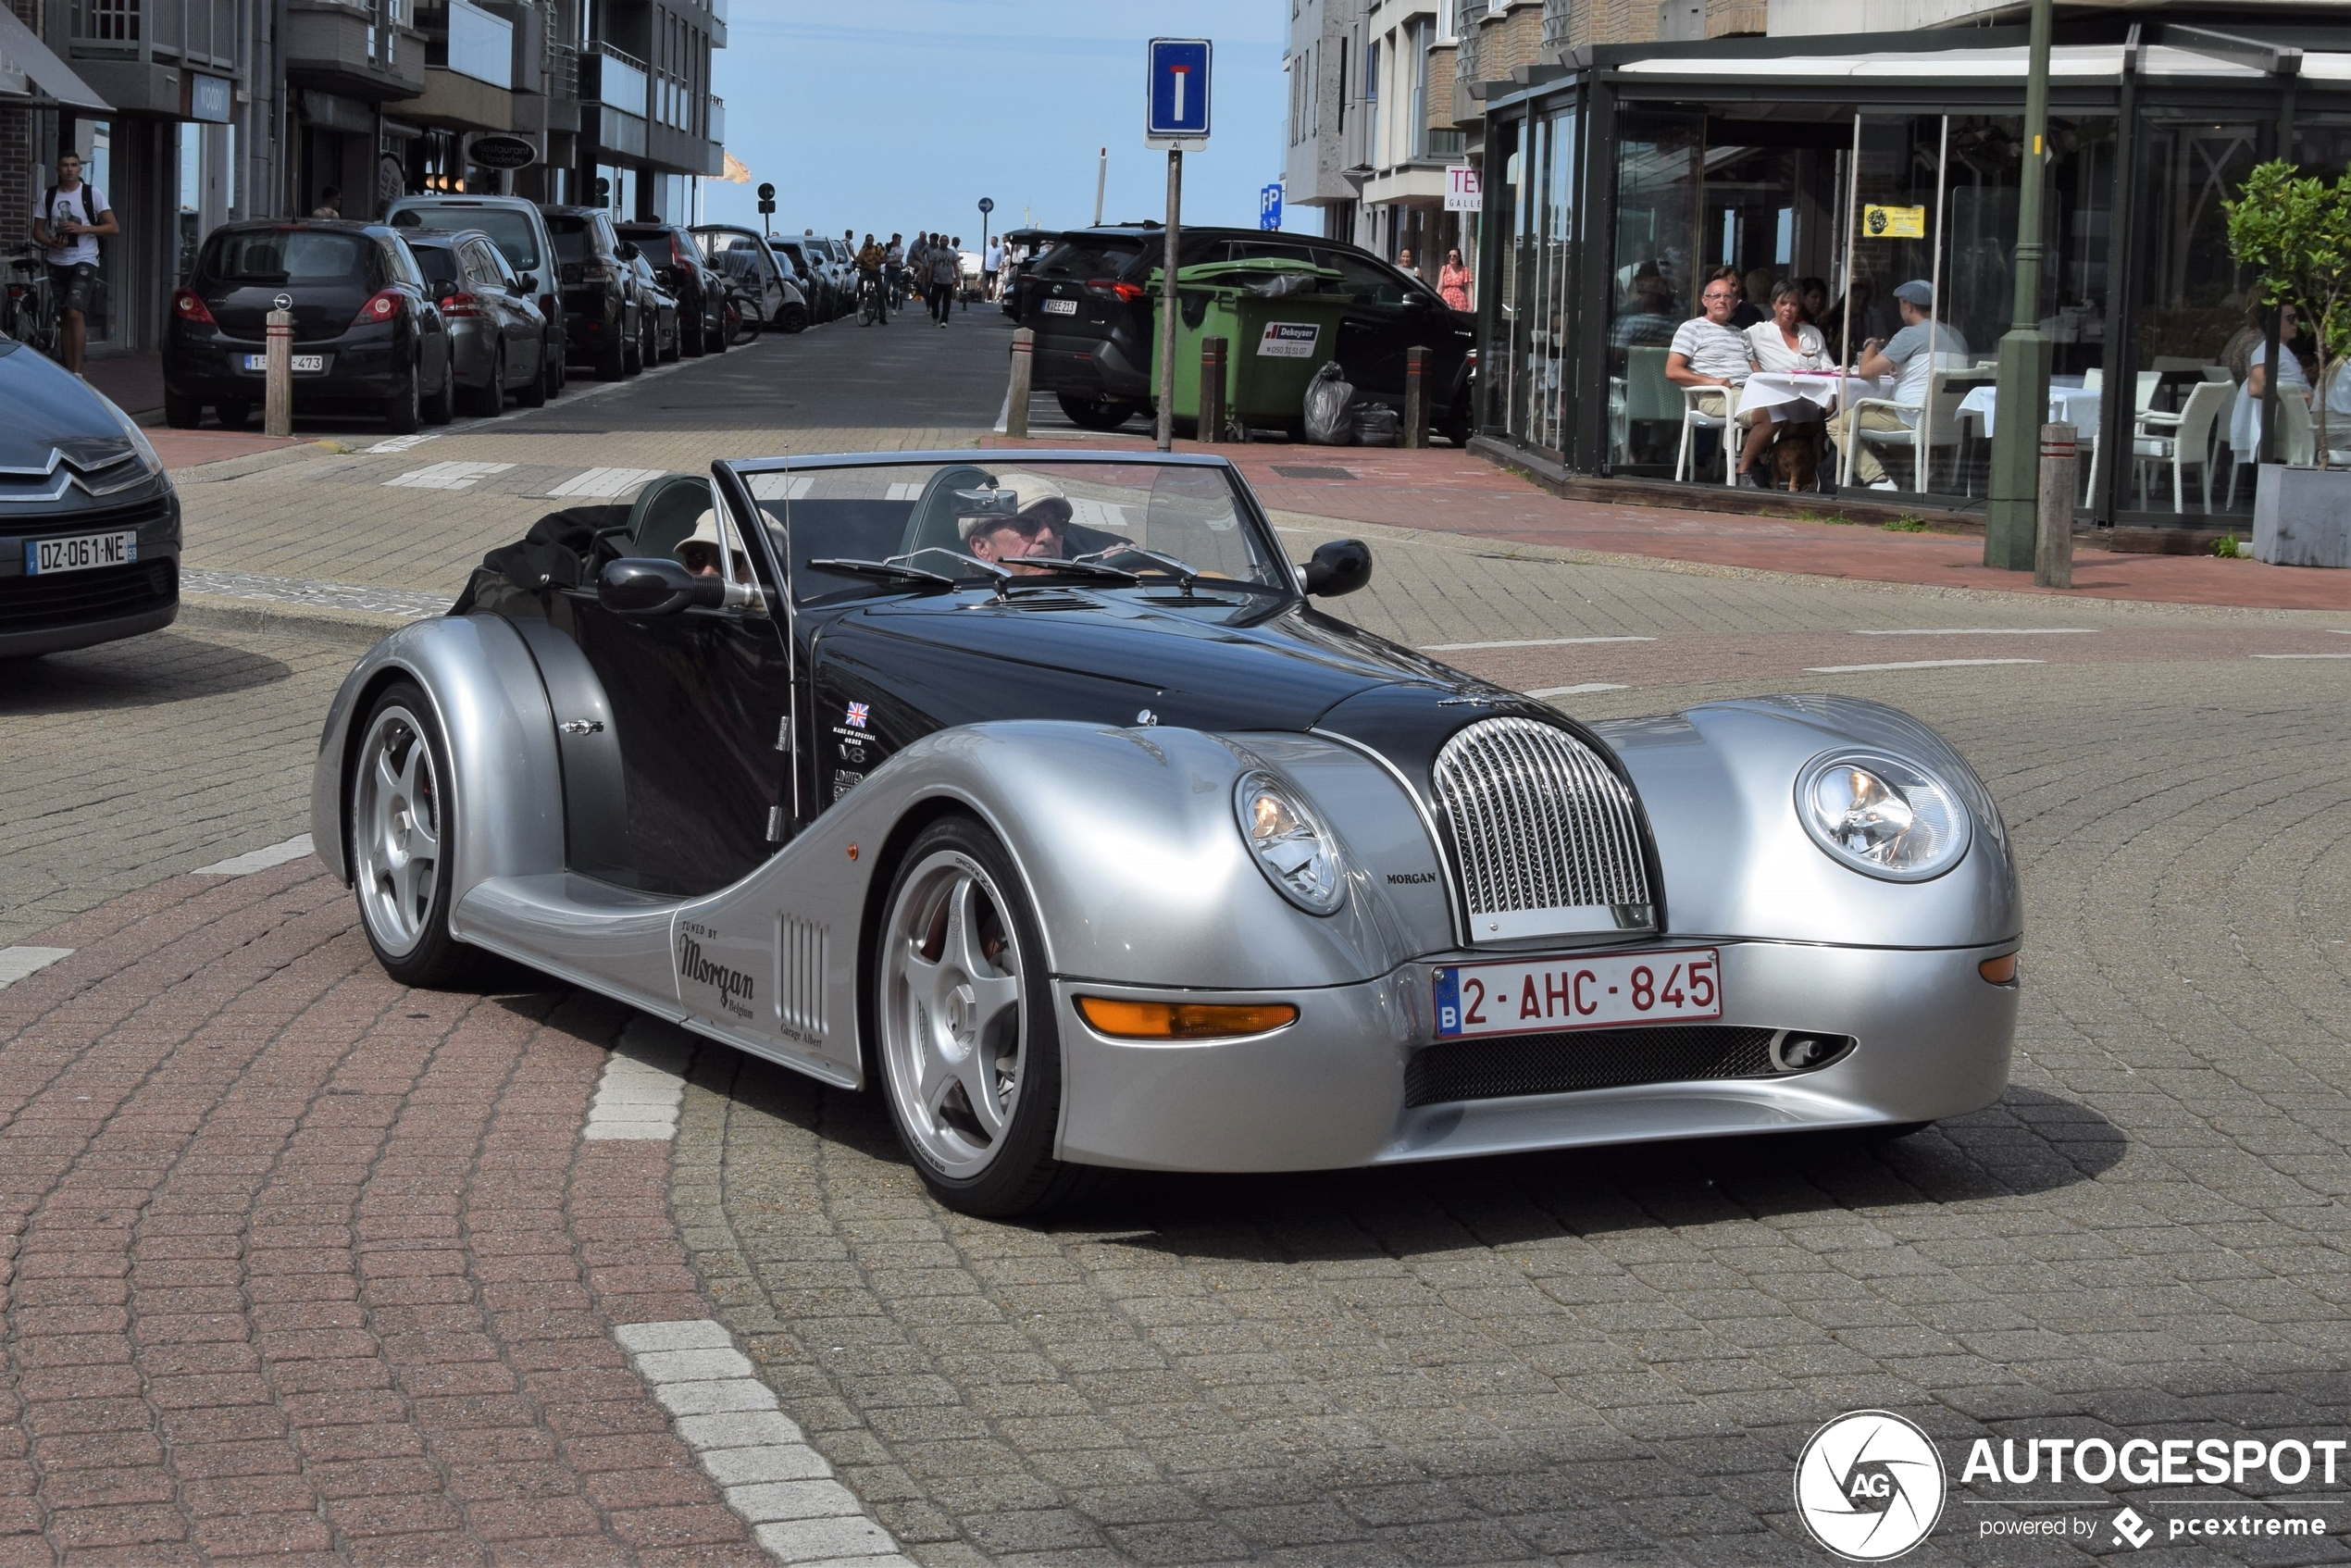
2297	441
2183	439
1695	418
1938	423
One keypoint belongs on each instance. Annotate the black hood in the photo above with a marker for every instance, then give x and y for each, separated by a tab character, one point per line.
55	424
1072	653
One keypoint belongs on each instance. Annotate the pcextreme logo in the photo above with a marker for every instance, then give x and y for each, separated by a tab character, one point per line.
1870	1485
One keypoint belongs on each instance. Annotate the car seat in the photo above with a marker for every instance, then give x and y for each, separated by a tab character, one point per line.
932	522
664	513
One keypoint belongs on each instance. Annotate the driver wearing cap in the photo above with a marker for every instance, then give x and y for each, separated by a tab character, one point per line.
701	549
1024	515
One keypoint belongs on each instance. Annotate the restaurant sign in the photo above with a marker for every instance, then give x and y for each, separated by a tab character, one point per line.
1894	223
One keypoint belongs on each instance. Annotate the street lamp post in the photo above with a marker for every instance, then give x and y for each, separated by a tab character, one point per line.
2008	524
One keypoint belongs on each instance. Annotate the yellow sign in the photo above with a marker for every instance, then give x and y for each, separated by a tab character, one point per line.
1894	223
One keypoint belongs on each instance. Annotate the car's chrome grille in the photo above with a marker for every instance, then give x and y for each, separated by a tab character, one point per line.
1544	835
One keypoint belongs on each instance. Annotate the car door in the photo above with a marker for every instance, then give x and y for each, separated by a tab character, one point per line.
696	702
1389	314
525	328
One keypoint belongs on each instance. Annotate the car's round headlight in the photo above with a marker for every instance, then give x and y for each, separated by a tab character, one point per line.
1294	850
1881	816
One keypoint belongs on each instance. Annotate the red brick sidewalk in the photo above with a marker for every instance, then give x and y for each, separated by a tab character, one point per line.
307	1266
1454	491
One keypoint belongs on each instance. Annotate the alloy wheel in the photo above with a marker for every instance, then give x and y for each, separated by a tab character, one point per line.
396	841
954	1021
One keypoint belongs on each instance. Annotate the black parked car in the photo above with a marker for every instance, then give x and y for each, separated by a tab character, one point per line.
497	337
367	338
89	523
1088	301
699	287
815	278
658	318
515	226
600	298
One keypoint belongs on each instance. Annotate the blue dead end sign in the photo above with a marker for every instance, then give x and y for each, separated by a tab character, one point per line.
1177	113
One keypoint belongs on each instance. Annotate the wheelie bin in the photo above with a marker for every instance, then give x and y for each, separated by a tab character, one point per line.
1279	319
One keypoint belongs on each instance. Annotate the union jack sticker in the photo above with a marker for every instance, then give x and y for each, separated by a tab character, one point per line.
856	716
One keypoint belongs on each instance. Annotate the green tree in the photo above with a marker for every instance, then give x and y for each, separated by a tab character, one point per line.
2294	233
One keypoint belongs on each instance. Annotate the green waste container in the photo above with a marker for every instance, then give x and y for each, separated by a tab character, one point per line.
1273	343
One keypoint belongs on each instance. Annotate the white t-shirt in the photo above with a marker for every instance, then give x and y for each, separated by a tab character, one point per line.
81	205
995	255
1712	350
1772	352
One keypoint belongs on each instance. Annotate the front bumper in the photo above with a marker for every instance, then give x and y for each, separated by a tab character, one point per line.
1933	1039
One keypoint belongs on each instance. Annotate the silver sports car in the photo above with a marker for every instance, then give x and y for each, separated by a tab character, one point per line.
1030	790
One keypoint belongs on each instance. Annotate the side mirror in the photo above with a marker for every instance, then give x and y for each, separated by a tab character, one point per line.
441	288
648	585
627	250
1341	566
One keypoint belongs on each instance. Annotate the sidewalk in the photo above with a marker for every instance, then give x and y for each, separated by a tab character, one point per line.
1452	491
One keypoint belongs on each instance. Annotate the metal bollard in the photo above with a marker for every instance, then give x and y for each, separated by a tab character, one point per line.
277	378
1416	397
1212	390
1016	400
2053	546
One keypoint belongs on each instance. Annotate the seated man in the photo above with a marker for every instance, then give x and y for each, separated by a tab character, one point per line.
702	551
1708	352
1024	515
1905	357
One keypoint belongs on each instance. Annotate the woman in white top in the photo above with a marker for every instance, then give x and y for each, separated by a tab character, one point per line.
1787	341
2244	420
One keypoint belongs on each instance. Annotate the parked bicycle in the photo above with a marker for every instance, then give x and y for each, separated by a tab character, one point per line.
31	314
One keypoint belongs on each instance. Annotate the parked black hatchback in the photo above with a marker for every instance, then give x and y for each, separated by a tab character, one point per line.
1090	302
699	287
600	302
367	337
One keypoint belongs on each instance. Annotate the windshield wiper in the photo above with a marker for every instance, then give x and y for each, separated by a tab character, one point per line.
889	569
1085	566
1185	572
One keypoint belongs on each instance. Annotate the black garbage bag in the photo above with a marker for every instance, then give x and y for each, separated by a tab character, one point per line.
562	549
1327	396
1375	424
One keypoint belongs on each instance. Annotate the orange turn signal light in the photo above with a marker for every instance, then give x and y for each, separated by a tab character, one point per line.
1184	1020
2001	971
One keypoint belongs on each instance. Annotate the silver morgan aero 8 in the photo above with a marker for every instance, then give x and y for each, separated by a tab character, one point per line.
1031	790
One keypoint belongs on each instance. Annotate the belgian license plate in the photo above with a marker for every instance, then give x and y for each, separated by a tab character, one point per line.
1591	991
309	363
81	553
1060	308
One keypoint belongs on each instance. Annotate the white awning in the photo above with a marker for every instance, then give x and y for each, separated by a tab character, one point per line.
51	74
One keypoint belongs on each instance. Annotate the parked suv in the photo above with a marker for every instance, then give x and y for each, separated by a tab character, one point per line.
699	287
601	306
368	337
1090	302
514	227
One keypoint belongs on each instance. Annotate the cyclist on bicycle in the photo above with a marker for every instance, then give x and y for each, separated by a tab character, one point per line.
870	259
894	269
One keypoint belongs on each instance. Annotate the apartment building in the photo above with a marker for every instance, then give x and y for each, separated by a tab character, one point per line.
191	112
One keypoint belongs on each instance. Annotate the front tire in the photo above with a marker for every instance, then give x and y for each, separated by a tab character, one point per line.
969	1048
1096	413
402	826
490	399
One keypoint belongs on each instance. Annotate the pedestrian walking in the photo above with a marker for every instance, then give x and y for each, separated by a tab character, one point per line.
946	271
990	265
1453	282
73	219
955	248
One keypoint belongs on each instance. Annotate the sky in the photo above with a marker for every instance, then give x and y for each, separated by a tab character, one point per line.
899	115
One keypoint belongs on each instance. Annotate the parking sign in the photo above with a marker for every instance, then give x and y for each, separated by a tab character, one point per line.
1269	206
1177	115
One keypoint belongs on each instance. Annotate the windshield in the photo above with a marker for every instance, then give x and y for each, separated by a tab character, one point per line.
1020	520
513	232
281	255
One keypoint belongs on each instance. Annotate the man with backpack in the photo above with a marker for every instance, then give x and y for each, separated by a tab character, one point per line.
73	219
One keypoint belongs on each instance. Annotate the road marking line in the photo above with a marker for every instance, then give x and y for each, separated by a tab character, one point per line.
781	487
605	482
641	1086
16	962
402	443
448	476
1526	642
246	865
1578	690
760	1458
906	492
1980	631
2302	655
1913	663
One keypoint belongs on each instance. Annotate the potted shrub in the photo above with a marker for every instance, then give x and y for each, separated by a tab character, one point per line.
2294	234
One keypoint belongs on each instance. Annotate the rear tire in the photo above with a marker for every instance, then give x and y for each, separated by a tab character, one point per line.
402	409
490	399
442	406
1096	413
182	411
694	338
401	826
632	355
532	394
965	1032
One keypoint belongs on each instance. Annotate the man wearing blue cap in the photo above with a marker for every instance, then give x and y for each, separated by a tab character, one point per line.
1909	357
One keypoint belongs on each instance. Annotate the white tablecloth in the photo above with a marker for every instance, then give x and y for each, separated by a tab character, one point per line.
1781	388
2077	407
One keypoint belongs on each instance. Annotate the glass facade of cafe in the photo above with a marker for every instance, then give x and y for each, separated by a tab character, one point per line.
1614	190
